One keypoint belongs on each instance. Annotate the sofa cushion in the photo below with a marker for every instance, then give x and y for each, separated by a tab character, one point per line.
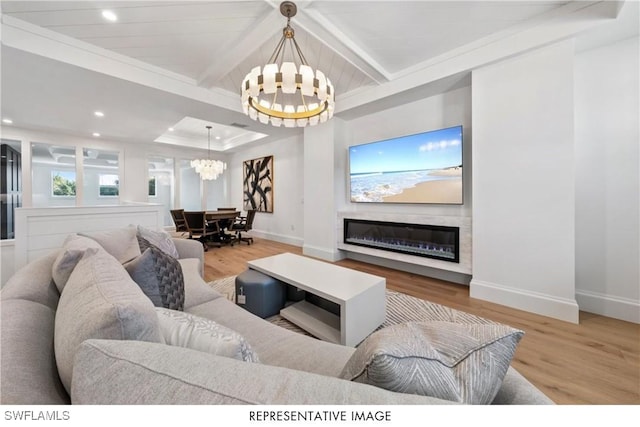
28	369
142	373
100	301
159	276
161	239
197	333
196	290
275	345
459	362
122	243
33	282
72	251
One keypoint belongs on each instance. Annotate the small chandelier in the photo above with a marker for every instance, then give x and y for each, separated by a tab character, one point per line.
207	168
285	93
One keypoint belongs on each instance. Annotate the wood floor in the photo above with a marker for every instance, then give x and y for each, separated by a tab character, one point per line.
594	362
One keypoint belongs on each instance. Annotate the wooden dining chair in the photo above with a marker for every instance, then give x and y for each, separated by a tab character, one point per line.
178	221
244	224
207	232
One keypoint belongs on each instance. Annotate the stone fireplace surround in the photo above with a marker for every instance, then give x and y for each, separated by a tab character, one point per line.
464	224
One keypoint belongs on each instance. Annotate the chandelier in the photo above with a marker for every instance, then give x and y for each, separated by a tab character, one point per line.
285	93
208	169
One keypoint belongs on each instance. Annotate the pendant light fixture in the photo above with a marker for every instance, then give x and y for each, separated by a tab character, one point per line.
288	93
208	169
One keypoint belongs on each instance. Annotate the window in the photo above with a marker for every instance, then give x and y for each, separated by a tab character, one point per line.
108	185
152	186
63	183
54	177
101	182
160	173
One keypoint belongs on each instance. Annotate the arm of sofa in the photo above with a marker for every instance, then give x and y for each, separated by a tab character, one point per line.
188	248
136	372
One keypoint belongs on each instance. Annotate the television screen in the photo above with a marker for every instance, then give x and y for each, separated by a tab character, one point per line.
421	168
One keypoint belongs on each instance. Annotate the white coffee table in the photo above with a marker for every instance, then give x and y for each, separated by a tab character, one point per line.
361	297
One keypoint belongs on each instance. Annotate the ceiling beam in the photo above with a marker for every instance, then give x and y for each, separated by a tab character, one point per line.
335	39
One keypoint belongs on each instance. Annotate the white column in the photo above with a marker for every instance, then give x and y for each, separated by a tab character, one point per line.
523	183
323	190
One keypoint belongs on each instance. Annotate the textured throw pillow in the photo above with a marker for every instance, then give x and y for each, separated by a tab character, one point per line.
159	276
100	301
121	243
160	239
458	362
73	250
197	333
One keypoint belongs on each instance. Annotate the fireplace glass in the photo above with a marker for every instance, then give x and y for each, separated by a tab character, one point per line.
431	241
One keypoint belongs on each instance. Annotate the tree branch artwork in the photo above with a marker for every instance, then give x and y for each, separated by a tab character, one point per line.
258	184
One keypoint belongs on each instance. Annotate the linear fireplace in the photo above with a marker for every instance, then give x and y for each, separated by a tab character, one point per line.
430	241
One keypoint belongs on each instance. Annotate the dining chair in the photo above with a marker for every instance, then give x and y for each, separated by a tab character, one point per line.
207	232
244	224
178	220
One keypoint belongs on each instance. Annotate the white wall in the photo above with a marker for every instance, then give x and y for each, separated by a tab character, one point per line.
607	180
286	223
523	183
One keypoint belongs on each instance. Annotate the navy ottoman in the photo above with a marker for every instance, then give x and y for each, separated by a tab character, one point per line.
260	294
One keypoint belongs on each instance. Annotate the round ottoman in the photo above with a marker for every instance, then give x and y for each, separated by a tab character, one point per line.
260	294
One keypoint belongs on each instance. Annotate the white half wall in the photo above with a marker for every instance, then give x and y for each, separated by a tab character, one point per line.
523	183
39	231
607	180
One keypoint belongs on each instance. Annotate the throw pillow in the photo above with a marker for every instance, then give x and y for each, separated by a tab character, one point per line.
197	333
121	243
73	250
100	301
159	276
458	362
160	239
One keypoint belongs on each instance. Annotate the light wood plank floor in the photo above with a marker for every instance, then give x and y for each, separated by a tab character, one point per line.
594	362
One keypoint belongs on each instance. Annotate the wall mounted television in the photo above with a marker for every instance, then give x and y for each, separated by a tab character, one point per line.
421	168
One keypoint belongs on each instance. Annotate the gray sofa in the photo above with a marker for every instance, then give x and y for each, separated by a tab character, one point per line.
293	369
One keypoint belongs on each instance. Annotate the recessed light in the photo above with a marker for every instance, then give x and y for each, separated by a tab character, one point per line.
98	113
217	137
7	121
171	129
109	15
96	134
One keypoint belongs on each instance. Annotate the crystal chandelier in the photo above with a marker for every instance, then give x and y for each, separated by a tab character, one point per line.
285	93
207	168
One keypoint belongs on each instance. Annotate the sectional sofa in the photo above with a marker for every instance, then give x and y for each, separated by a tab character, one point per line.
100	341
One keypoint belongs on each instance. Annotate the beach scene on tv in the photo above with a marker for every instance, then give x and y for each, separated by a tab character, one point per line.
420	168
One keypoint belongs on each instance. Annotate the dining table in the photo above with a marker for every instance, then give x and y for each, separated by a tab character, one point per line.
225	219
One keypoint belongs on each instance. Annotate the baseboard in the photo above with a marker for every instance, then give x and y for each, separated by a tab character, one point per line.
546	305
322	253
289	240
449	276
605	305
